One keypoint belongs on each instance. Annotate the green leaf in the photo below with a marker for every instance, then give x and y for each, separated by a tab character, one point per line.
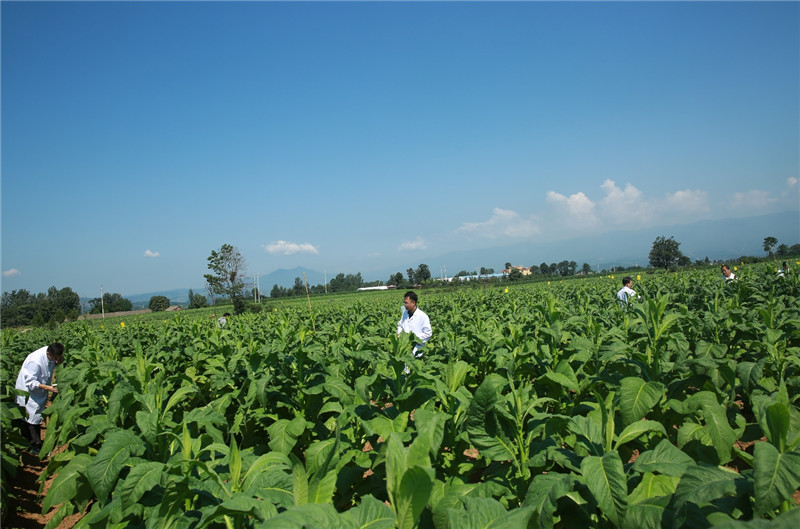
320	490
648	514
488	430
141	478
411	498
701	485
310	515
750	374
544	492
653	486
299	484
488	513
283	434
69	484
372	514
777	419
665	458
776	476
104	470
605	478
384	426
637	398
561	380
639	428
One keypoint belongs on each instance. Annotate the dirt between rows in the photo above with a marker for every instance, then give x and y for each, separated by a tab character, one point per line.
27	504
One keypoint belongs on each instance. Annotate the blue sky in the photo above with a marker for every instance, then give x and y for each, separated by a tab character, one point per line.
347	137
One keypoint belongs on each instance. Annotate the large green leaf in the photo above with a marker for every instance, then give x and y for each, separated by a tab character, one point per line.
488	513
104	470
776	476
639	428
310	515
652	513
750	374
410	500
605	478
701	485
653	486
637	398
665	458
544	492
69	484
283	434
372	514
488	430
141	478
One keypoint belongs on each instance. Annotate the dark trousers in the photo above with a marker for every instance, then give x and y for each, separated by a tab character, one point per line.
31	432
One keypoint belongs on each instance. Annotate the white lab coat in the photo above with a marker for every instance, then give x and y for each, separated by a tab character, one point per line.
419	324
37	369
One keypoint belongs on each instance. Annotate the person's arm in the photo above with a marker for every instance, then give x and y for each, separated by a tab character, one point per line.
426	331
32	374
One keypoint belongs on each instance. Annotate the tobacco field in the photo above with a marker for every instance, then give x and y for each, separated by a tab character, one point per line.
535	406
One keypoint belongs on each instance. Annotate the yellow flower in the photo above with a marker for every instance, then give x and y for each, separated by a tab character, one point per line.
735	267
548	282
102	326
122	324
638	277
506	289
612	277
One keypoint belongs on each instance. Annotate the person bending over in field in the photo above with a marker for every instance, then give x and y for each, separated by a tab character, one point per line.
36	377
414	321
626	292
727	275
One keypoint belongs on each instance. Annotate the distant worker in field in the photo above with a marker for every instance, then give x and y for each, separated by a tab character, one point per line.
626	292
36	377
414	321
727	275
223	320
783	271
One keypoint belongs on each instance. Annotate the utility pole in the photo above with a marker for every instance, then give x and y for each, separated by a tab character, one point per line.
102	308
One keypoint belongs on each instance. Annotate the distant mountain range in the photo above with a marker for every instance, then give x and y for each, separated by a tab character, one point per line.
715	239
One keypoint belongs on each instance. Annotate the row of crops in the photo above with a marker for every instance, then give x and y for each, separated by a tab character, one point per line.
536	406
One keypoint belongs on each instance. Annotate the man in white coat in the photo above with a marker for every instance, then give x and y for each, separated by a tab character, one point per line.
36	377
414	321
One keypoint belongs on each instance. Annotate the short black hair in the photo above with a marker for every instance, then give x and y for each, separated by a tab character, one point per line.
411	295
56	349
627	280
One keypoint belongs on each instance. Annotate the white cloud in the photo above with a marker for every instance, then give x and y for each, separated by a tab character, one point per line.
503	222
11	272
418	244
620	207
791	181
152	255
624	206
577	210
289	248
687	201
753	199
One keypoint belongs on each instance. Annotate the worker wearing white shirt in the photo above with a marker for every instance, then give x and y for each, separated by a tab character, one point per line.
36	377
414	321
626	292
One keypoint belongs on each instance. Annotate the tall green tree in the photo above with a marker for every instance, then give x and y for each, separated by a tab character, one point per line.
422	273
665	253
227	268
769	244
158	303
111	302
197	301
